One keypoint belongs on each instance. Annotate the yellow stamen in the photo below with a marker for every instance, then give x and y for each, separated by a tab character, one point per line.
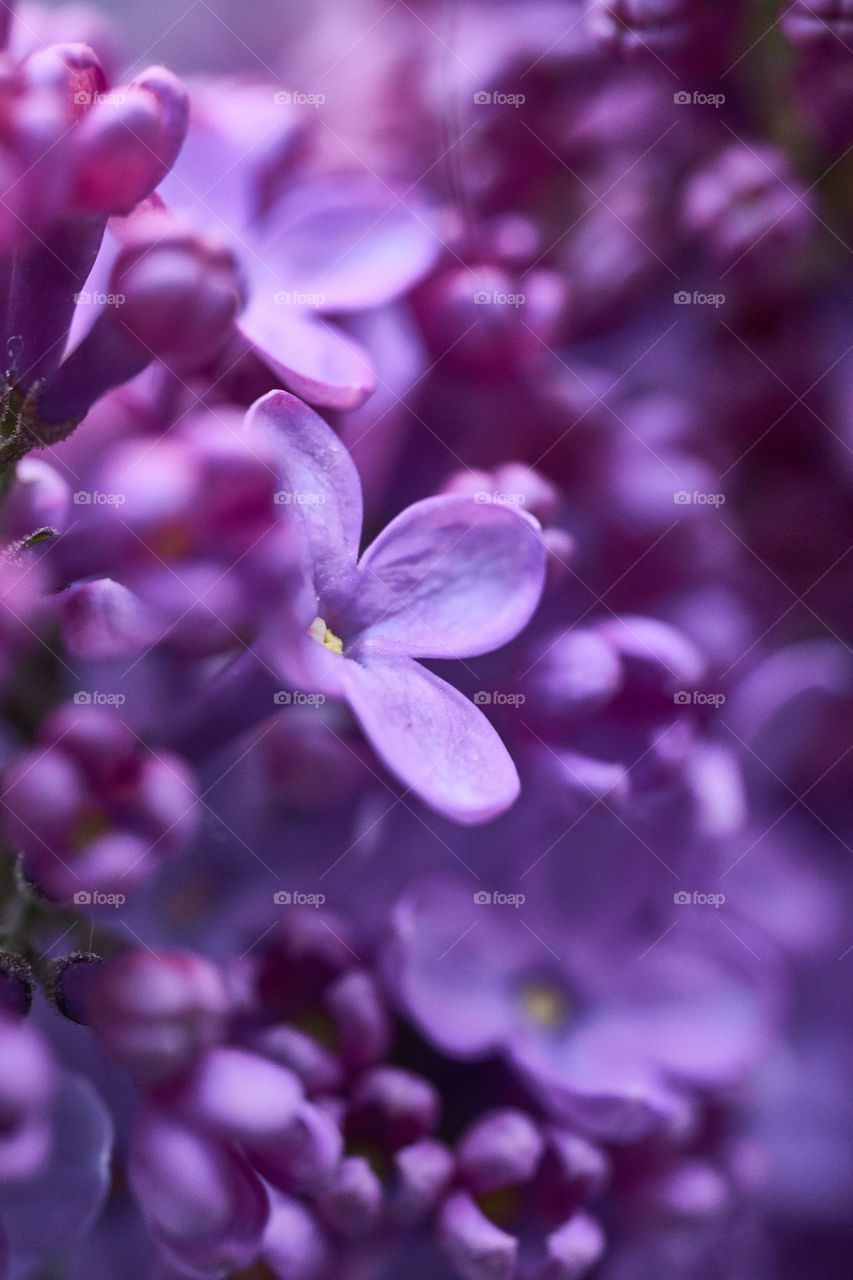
545	1003
320	632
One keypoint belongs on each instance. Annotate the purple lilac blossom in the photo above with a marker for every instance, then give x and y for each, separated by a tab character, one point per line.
425	640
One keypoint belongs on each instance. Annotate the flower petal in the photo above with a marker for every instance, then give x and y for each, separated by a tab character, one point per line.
310	355
348	245
431	737
319	484
451	577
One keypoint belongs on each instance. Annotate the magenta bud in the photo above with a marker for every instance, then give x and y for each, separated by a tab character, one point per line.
350	1205
422	1174
156	1014
501	1149
573	1249
477	1249
205	1206
570	674
392	1108
657	658
180	291
314	1064
294	1243
238	1096
304	1160
128	141
362	1021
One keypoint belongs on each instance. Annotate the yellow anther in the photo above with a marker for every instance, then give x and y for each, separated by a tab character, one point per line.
545	1003
320	632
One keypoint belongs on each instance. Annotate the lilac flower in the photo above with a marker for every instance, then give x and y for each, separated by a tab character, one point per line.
449	578
312	246
579	1031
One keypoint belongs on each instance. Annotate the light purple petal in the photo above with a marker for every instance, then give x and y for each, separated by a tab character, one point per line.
451	577
431	737
319	484
311	356
347	245
458	967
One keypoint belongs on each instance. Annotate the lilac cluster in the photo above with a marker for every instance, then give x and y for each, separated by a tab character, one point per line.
426	649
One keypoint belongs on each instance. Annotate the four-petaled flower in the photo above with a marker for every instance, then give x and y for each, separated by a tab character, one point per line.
448	578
